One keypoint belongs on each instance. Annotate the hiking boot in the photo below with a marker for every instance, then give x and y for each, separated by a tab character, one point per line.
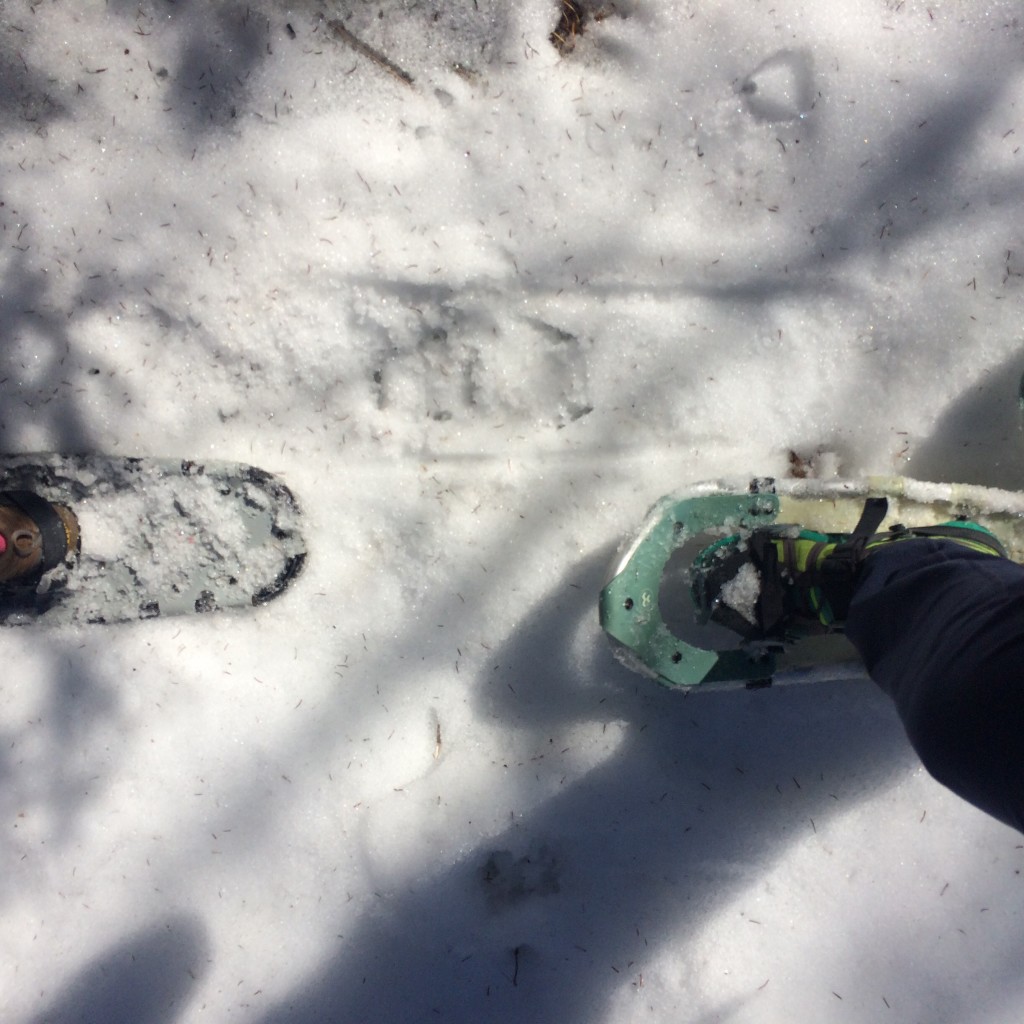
784	581
35	536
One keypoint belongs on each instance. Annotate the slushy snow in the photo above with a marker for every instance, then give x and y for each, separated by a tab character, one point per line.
479	322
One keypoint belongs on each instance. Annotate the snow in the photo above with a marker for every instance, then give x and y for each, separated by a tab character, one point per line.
479	324
742	591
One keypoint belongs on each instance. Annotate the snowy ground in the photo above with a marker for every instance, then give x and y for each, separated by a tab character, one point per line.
480	322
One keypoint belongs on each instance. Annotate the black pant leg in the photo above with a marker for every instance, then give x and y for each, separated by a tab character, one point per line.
941	629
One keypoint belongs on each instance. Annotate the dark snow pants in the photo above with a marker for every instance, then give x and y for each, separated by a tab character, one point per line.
941	629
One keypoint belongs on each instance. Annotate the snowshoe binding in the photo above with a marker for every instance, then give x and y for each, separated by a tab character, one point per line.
781	582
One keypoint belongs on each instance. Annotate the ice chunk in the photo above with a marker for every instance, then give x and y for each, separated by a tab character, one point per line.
742	591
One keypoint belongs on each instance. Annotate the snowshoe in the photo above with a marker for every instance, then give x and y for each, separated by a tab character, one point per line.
687	601
158	537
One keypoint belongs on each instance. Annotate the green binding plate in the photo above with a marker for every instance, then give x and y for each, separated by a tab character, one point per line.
629	604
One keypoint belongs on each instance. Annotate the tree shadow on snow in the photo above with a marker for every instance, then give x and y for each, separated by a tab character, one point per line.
580	893
220	47
978	439
145	979
35	346
53	766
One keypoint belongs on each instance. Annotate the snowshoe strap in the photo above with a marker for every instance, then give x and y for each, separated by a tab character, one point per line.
840	568
770	609
874	511
963	534
51	527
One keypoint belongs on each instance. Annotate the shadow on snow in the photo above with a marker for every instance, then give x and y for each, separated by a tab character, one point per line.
700	793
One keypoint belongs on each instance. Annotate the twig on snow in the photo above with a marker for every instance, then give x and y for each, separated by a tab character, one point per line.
339	31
